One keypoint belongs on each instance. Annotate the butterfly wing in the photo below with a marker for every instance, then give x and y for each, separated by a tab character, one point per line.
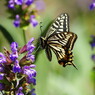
48	53
61	24
60	40
62	44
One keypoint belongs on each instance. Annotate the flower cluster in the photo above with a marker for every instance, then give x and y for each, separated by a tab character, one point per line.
92	5
92	43
16	70
24	12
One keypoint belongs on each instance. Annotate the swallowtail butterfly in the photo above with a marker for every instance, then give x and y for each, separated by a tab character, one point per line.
60	40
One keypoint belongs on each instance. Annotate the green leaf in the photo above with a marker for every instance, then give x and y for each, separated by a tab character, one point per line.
10	32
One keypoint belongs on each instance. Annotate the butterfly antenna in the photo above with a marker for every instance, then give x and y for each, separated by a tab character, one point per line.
40	35
41	27
37	49
74	66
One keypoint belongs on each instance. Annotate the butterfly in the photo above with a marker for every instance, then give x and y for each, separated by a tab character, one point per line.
60	40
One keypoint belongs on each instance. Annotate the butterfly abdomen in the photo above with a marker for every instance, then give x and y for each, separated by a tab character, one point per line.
67	59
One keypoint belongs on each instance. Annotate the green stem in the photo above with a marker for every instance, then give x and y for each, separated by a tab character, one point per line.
24	36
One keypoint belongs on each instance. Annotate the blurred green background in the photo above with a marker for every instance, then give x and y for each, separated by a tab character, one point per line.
53	79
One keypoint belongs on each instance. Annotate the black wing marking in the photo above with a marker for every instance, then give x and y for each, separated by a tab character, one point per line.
65	57
48	53
61	24
62	39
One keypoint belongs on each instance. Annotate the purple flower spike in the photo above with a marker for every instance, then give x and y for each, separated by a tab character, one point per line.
92	6
2	58
28	2
17	21
16	67
33	21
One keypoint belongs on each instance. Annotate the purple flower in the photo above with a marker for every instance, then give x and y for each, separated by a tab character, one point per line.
93	57
14	56
33	21
1	68
28	2
31	73
30	57
92	6
1	76
2	58
19	2
31	80
17	21
19	92
30	49
92	43
32	66
40	5
2	86
32	92
11	4
28	71
30	41
14	46
30	46
16	67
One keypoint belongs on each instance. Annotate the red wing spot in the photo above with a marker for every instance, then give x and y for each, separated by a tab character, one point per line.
62	63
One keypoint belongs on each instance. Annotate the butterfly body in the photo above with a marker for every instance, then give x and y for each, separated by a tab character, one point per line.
60	41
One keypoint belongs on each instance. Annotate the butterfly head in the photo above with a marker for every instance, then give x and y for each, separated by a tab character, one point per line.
43	42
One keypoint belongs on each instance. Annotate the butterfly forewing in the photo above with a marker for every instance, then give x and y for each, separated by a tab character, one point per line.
60	24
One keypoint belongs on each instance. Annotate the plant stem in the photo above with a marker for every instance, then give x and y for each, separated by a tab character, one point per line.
24	36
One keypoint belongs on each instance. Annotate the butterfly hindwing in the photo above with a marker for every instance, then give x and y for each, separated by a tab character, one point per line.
48	53
62	44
